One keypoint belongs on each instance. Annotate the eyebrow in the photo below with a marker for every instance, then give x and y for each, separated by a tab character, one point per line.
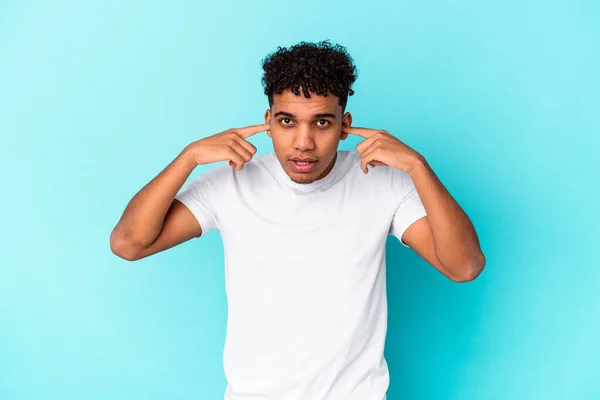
316	116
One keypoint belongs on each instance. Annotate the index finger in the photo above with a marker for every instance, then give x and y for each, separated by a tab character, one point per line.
251	130
364	132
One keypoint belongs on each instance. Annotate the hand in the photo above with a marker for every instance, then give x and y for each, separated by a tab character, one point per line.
227	145
382	148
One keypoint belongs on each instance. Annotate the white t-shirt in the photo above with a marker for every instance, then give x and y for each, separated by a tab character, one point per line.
305	275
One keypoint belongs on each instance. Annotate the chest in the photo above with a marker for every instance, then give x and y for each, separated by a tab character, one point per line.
324	232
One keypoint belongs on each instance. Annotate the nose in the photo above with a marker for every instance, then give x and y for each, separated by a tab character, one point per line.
303	139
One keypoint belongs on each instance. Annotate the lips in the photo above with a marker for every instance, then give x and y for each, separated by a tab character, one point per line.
302	159
303	164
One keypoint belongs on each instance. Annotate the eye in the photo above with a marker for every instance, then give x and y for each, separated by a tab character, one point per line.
323	122
285	121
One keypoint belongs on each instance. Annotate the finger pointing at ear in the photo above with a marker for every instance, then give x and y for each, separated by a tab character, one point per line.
362	132
381	148
248	131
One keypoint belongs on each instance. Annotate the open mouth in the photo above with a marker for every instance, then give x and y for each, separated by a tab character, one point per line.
303	166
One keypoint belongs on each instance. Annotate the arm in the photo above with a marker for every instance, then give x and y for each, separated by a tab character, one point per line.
445	238
153	220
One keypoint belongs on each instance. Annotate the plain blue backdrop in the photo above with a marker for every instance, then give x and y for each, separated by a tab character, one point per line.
97	97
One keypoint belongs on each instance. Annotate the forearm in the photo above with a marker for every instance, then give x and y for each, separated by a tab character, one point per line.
455	240
144	216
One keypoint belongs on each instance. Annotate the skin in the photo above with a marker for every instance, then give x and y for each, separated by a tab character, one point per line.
308	128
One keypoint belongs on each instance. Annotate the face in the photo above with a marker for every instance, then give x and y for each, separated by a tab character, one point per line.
304	128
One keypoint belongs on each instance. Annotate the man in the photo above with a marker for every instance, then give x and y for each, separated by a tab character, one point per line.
304	232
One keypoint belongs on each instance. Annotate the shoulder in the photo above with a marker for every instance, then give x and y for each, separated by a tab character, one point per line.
255	173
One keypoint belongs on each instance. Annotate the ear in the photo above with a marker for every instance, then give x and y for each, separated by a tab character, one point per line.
346	123
268	120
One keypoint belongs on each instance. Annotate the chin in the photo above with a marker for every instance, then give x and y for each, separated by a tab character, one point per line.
304	181
303	178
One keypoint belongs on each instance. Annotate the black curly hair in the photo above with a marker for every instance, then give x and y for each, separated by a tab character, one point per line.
313	67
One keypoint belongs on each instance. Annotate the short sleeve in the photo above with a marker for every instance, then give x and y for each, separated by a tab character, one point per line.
409	206
198	195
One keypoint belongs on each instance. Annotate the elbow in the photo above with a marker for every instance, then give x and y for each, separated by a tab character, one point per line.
122	248
471	269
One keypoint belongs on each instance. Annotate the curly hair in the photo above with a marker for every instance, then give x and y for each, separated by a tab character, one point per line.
313	67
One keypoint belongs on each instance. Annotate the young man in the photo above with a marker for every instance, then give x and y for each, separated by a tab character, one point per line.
304	231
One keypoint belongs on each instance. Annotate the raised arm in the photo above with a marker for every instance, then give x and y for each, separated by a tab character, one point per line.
154	220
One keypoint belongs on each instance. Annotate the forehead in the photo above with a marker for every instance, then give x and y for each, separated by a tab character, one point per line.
305	107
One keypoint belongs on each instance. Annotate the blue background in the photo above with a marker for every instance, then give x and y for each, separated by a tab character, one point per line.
97	97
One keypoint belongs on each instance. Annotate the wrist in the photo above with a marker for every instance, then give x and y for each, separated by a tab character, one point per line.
417	164
188	158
